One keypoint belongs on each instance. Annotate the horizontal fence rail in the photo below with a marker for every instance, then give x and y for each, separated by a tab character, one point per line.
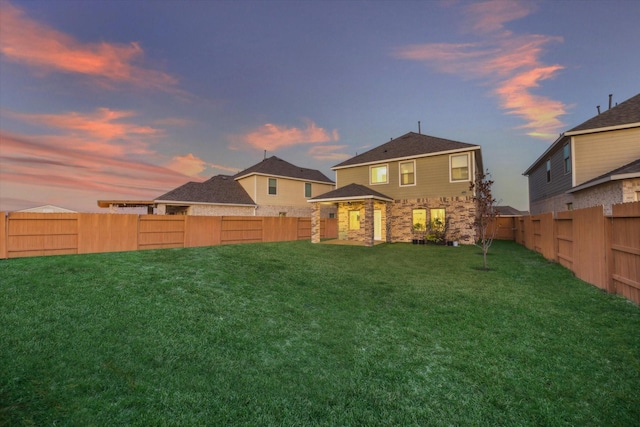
25	234
601	250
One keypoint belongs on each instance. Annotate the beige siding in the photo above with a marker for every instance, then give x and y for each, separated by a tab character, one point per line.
599	153
431	177
290	192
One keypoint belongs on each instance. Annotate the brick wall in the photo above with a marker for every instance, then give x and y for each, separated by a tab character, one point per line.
459	212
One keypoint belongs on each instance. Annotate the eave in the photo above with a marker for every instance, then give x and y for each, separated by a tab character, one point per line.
416	156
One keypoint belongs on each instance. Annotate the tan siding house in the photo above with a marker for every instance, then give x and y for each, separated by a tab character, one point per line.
403	189
272	187
595	163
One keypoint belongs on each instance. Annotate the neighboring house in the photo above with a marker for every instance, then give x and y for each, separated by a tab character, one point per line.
592	164
403	187
48	209
272	187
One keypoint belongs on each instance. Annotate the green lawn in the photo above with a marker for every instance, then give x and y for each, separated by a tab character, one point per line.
300	334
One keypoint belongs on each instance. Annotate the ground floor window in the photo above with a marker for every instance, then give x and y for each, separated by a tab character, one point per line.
354	220
419	219
437	219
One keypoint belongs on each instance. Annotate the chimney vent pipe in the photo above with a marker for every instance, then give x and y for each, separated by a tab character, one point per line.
610	95
598	107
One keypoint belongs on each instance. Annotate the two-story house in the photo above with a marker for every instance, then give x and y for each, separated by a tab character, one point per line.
409	183
273	187
595	163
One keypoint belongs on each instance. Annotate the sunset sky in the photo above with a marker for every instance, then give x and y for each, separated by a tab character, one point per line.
130	99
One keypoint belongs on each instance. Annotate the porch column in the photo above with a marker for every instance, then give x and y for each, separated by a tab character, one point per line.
388	222
315	223
368	222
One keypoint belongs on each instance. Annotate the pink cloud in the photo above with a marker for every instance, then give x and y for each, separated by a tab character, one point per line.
224	168
189	165
272	137
92	156
490	16
508	63
328	152
45	49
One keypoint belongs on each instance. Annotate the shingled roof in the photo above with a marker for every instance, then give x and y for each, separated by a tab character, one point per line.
220	189
275	166
623	115
350	192
408	145
627	112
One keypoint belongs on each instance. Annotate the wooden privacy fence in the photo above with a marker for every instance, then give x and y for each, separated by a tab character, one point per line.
35	234
601	250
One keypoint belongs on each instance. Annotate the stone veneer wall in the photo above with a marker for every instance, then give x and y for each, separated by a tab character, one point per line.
459	212
343	221
552	204
397	218
608	194
631	190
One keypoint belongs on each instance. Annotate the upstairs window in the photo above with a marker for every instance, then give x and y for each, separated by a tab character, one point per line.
379	175
549	170
273	186
407	173
307	189
566	155
459	167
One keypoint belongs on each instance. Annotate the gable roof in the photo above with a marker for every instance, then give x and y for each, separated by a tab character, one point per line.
406	146
275	166
626	113
220	189
350	192
622	116
628	171
510	211
48	209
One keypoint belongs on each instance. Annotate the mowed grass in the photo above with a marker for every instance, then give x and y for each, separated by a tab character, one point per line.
296	334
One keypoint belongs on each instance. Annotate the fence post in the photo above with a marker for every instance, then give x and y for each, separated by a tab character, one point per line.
4	234
608	253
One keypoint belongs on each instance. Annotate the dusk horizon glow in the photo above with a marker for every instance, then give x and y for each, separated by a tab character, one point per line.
126	101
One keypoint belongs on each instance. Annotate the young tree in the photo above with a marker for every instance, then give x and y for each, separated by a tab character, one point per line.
486	212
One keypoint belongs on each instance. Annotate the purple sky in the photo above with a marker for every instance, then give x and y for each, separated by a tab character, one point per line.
130	99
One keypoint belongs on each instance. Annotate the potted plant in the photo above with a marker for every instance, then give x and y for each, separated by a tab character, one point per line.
437	232
418	234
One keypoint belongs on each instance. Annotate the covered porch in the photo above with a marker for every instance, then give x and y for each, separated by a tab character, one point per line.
362	215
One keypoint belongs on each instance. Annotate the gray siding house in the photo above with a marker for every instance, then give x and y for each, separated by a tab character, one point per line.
582	168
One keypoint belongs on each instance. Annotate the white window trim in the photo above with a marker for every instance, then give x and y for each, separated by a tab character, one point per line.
268	186
415	177
379	166
564	159
469	177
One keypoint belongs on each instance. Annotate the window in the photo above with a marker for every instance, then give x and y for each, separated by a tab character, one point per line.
459	167
273	186
419	219
354	220
569	206
379	174
549	170
282	214
332	215
307	189
407	173
437	220
566	155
